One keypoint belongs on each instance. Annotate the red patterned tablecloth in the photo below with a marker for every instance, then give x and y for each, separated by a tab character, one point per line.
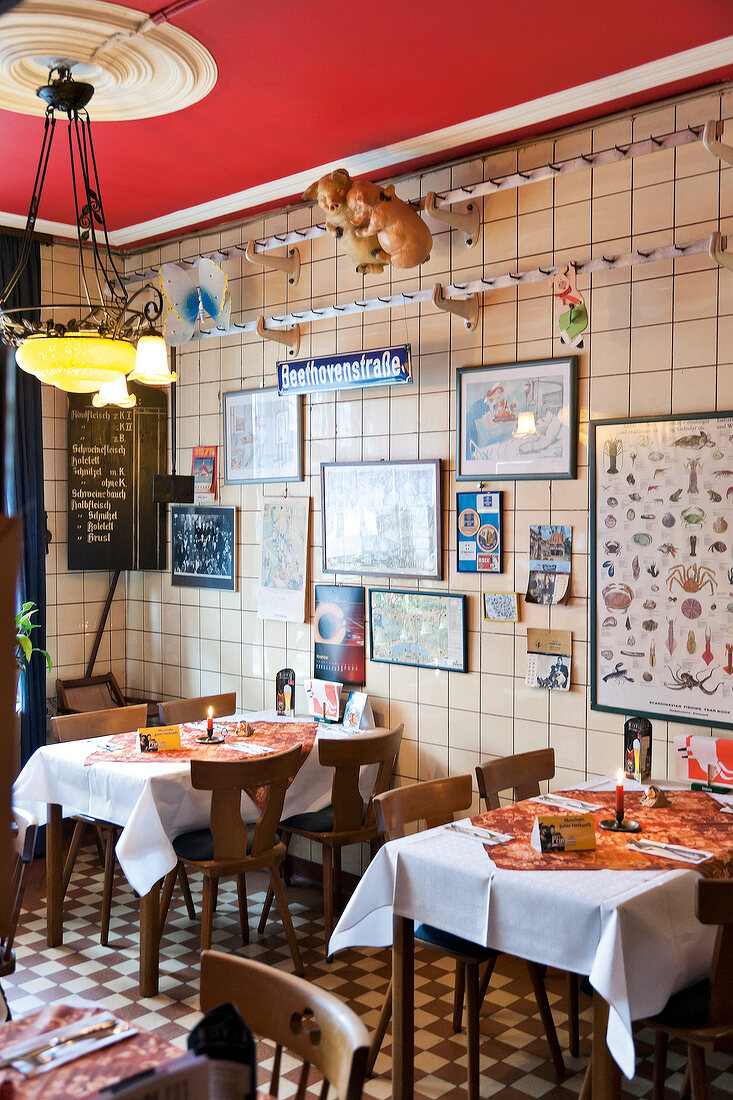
87	1075
692	819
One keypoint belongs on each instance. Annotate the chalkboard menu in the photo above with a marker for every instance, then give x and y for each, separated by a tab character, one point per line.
112	456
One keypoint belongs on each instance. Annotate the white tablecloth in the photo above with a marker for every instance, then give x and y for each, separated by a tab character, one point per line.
633	932
153	802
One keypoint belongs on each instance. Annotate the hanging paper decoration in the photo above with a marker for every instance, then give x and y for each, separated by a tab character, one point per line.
200	294
570	310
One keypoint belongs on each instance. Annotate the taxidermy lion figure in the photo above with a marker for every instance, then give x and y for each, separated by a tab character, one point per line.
330	193
403	236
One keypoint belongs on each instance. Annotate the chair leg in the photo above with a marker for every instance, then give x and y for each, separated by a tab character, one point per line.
543	1005
282	902
242	899
337	878
109	878
327	893
286	837
165	897
472	1029
685	1087
208	905
573	1014
458	991
698	1073
380	1031
659	1075
486	978
586	1088
186	890
214	894
76	839
287	865
99	841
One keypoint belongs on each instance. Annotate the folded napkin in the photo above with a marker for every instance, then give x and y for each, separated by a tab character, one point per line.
670	851
570	805
250	750
725	801
40	1053
466	828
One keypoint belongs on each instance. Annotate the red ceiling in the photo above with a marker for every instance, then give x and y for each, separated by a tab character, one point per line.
305	84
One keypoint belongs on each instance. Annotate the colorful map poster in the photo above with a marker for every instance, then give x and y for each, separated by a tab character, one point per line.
418	628
283	560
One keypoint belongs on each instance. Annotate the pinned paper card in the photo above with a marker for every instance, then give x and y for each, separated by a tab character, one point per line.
563	833
324	699
550	549
549	658
358	712
571	313
159	739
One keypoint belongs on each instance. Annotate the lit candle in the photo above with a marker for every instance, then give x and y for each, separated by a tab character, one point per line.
210	723
620	792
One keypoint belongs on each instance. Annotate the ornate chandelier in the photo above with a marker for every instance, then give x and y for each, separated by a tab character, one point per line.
114	335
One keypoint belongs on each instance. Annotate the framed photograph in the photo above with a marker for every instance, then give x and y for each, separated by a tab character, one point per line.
204	546
283	559
517	421
382	519
501	607
263	437
427	629
661	575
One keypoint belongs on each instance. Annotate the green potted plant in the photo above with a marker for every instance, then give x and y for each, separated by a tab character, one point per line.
24	648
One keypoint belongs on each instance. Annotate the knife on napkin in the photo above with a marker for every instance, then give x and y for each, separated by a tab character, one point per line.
570	805
81	1030
670	851
487	836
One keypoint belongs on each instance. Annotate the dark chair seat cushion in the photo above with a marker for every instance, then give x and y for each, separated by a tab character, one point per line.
446	941
199	844
688	1007
320	821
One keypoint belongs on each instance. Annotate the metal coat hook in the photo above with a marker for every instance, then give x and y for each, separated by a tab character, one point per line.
718	252
289	337
469	223
290	263
711	140
467	308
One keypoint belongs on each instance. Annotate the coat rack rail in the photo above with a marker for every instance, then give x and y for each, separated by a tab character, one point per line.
583	163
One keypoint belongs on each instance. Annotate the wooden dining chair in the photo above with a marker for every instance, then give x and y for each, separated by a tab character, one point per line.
195	710
24	839
522	773
347	819
87	726
436	802
231	847
308	1021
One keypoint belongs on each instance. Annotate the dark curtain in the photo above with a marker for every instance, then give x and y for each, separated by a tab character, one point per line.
24	493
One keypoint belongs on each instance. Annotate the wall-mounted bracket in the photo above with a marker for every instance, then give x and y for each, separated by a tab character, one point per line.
289	263
711	140
469	223
289	337
718	252
467	308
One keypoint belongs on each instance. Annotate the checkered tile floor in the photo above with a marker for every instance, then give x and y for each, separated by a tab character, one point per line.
514	1058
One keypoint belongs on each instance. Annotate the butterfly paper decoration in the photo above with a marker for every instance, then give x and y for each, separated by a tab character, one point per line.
206	299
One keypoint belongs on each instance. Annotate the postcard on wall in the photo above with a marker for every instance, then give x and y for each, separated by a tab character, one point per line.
203	468
549	658
283	559
550	550
478	518
340	637
501	607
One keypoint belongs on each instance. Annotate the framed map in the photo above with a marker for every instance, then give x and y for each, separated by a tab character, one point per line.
283	559
661	572
427	629
382	519
262	437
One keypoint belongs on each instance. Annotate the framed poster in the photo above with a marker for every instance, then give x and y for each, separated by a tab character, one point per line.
517	421
661	575
262	437
382	519
427	629
283	559
340	635
478	542
204	546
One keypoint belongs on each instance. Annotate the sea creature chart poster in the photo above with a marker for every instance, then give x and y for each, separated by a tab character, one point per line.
283	559
661	568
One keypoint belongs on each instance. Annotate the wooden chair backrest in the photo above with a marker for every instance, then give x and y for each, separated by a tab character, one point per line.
309	1021
226	779
99	723
434	802
347	756
714	905
25	845
522	772
193	710
87	693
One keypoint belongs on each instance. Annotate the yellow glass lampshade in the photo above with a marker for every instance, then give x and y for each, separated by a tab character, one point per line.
151	362
114	393
79	362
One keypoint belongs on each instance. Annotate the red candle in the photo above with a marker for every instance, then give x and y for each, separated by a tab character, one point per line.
210	722
620	791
